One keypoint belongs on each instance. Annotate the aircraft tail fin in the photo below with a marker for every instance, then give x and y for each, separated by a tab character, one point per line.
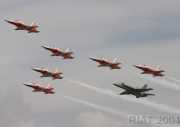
122	83
19	21
49	86
56	70
114	60
43	68
67	50
158	67
124	93
104	59
34	24
150	94
145	86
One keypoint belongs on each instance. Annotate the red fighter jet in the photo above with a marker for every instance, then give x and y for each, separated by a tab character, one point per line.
150	70
22	26
45	73
106	63
40	88
58	52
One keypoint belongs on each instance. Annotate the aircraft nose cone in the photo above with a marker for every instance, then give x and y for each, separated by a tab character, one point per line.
135	66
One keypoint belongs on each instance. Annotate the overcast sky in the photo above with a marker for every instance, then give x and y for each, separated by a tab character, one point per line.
134	31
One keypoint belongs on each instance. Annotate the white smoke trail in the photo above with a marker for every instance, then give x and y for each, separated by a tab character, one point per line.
164	83
102	108
152	121
151	104
174	79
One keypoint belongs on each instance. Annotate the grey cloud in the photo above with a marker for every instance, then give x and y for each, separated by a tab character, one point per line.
14	110
97	119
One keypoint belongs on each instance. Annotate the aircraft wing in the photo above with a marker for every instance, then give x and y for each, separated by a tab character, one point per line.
125	92
150	94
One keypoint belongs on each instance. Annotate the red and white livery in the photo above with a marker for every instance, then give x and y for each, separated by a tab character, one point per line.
41	88
106	63
66	54
150	70
45	73
22	26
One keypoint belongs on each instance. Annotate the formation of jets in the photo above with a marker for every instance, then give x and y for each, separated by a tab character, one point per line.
22	26
66	54
138	92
